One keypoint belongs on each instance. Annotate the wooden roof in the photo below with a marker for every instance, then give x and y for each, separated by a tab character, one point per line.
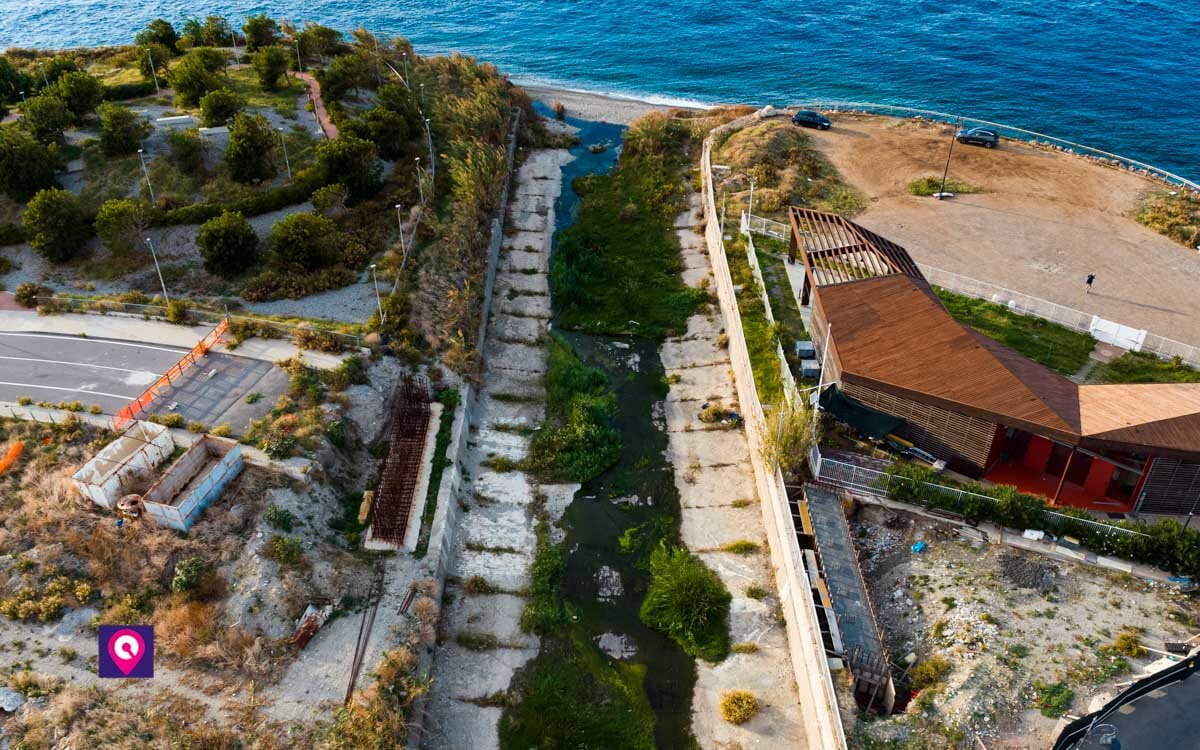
893	333
1164	416
836	250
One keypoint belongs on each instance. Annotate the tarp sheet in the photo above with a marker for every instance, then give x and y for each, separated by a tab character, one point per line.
869	422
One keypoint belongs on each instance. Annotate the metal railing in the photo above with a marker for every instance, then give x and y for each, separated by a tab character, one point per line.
1010	131
881	483
765	226
58	303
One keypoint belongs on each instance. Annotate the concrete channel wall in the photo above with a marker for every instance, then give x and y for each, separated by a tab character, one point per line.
814	681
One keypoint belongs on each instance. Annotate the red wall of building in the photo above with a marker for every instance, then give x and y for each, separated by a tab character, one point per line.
1099	477
1038	452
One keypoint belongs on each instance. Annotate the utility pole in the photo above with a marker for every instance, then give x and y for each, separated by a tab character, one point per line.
45	81
750	209
420	186
286	162
153	72
946	171
146	172
153	254
299	62
23	97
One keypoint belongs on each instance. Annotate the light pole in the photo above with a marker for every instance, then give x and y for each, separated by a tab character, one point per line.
23	97
146	172
750	208
378	299
420	187
405	54
42	67
153	72
429	140
422	96
166	299
403	245
946	171
286	162
233	39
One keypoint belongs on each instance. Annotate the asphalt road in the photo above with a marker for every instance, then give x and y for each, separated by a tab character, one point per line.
48	367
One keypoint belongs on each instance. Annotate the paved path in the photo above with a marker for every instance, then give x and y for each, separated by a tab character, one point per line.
719	505
314	91
495	540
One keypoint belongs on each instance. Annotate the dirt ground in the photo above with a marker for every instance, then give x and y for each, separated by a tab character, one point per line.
1043	222
1002	619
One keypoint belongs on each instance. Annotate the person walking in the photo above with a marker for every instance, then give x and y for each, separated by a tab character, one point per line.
1091	278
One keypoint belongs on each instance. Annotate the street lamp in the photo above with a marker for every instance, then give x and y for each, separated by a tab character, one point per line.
166	299
403	245
378	299
942	191
429	139
420	186
146	172
23	97
233	38
153	72
42	67
286	162
405	54
750	208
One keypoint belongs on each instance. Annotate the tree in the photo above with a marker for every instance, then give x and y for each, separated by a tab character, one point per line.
46	116
26	166
316	39
270	63
345	72
195	74
228	244
154	60
400	100
55	225
121	130
55	68
12	81
250	155
120	224
352	162
216	32
261	31
158	31
330	200
81	92
187	150
218	107
383	127
304	242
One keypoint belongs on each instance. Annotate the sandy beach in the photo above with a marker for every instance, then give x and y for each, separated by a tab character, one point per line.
597	107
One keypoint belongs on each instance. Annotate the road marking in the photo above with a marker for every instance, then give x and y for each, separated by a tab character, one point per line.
180	350
74	364
75	390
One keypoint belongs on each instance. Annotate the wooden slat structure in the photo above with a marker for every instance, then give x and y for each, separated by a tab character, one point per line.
394	498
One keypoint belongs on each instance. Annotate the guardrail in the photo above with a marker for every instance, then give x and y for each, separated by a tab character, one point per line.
818	700
1011	131
57	303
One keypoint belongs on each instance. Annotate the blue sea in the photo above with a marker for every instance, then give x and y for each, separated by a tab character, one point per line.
1119	75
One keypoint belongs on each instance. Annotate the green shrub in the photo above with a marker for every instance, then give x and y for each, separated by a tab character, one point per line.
177	311
167	420
545	613
188	573
303	242
1129	643
688	602
738	706
27	293
197	427
576	442
1053	699
219	106
250	154
26	166
1174	214
228	244
279	518
931	185
119	223
121	130
929	672
285	550
81	92
270	64
55	224
123	91
187	150
11	234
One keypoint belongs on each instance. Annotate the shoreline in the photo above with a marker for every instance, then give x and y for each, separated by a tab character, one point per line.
597	107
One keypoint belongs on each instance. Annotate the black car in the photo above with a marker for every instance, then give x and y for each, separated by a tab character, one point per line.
810	119
985	137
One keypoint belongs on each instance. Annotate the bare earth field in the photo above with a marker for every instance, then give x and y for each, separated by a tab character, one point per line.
1043	222
1002	620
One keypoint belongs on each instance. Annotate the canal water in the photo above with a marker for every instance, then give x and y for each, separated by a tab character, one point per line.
616	519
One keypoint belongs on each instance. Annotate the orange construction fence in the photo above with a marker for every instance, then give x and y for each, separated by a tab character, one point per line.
139	404
11	455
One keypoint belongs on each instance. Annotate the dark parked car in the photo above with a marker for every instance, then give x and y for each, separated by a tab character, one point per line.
810	119
985	137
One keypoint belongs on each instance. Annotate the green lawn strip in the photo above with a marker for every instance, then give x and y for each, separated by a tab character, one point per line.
932	185
760	333
1143	367
449	400
1055	346
577	441
783	303
616	269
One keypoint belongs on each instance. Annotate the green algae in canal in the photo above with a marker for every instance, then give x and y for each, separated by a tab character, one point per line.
636	691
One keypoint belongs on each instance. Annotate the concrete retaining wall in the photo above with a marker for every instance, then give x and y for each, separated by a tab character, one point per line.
140	448
817	698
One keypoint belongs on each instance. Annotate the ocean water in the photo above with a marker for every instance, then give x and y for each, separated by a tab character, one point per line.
1120	75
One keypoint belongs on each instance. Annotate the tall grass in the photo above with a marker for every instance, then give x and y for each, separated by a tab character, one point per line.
1177	215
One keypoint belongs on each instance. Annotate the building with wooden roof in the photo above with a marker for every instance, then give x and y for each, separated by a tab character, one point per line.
990	412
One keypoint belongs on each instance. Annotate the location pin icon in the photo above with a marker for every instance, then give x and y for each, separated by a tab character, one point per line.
126	647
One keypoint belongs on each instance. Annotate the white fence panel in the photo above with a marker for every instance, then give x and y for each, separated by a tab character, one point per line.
1117	334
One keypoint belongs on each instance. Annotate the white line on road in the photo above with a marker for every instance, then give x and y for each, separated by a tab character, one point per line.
94	341
76	390
74	364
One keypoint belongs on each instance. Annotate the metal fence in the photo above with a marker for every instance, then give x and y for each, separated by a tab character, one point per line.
765	226
881	484
278	329
1010	131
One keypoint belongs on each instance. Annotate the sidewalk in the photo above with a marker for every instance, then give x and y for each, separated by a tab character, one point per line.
127	328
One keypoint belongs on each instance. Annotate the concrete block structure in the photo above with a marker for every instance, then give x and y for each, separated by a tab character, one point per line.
123	465
193	481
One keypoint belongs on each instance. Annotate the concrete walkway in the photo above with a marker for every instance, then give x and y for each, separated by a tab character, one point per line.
720	505
495	541
126	328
